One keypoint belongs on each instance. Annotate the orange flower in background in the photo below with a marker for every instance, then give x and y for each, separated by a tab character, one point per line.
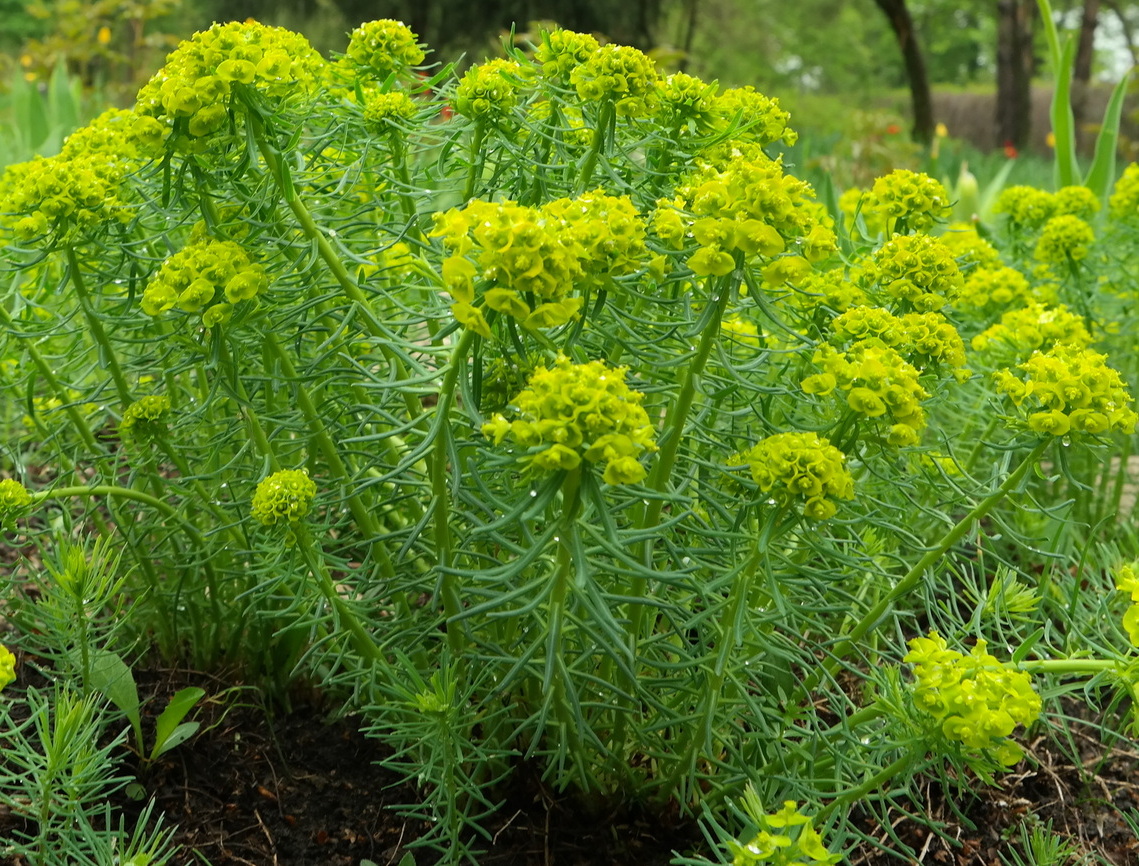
1010	150
893	129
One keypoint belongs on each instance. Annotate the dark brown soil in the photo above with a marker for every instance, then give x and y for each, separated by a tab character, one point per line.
296	788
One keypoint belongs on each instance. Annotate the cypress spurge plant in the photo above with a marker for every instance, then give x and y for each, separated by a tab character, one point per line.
537	405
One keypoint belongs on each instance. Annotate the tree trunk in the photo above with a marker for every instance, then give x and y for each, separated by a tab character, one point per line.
1125	29
1085	53
902	24
1015	63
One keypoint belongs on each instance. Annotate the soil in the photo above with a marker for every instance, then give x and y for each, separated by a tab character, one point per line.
298	788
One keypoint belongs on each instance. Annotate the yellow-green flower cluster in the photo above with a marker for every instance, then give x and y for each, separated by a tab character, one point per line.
800	468
908	201
975	699
812	289
489	91
1026	206
878	382
111	136
1065	238
283	497
192	94
573	412
1124	201
756	118
61	198
387	112
914	272
145	417
1126	580
1069	390
198	277
7	666
685	99
14	501
560	52
988	290
1036	326
751	207
783	838
381	48
609	232
517	251
925	339
620	74
968	247
1077	201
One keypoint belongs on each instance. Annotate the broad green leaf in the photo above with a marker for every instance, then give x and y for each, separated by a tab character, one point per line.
110	676
177	737
168	726
1065	170
1101	175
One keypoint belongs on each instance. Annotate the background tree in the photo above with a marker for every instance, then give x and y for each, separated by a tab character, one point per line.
902	23
1016	62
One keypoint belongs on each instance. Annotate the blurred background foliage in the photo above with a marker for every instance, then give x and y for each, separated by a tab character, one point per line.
870	74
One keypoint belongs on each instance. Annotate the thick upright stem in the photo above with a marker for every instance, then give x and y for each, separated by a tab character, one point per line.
361	512
106	351
441	494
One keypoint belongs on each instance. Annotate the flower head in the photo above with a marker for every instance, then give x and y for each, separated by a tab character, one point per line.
573	412
1124	201
384	112
7	666
560	52
621	74
14	501
908	199
191	97
758	119
490	90
283	497
206	277
1034	326
800	468
380	48
144	418
913	272
1065	238
975	699
1069	389
1026	206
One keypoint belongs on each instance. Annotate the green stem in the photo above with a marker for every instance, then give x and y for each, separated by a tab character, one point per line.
361	512
73	414
730	628
252	422
872	784
441	494
399	162
1068	666
674	423
558	674
106	351
872	618
476	161
324	249
346	619
605	116
120	493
